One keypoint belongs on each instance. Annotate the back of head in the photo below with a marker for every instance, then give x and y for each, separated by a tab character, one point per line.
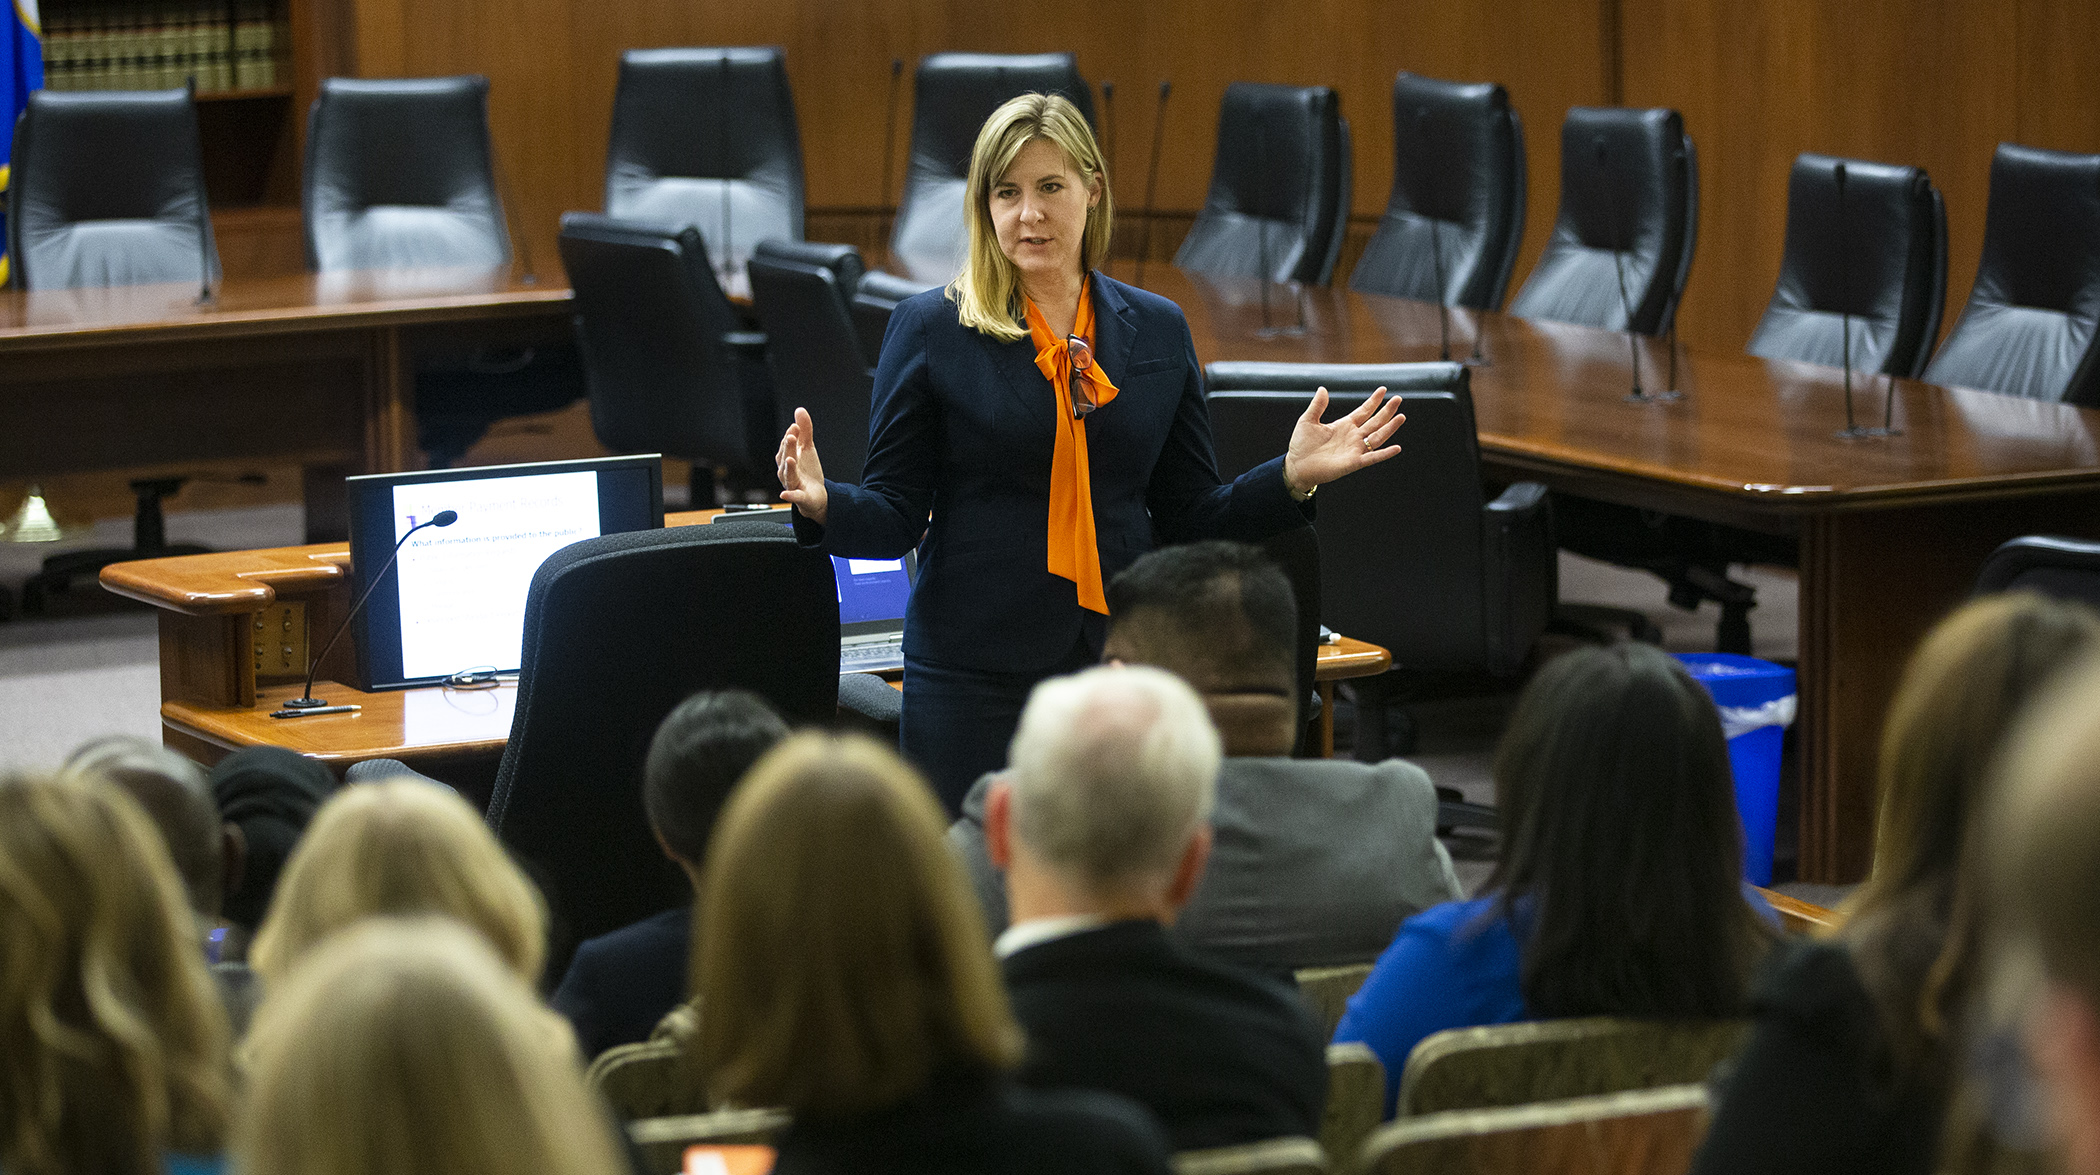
177	797
1622	841
2040	844
699	753
1113	770
271	795
1220	616
843	962
401	846
112	1039
404	1047
1913	929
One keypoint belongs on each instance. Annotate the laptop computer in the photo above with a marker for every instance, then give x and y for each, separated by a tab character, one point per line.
873	594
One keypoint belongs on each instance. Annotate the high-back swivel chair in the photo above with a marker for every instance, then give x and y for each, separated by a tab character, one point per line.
1278	188
1458	196
618	631
801	292
708	138
400	173
874	297
2032	325
2056	566
1622	245
668	366
1877	253
952	95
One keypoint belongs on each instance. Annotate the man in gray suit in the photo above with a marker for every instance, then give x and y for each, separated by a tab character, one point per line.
1315	862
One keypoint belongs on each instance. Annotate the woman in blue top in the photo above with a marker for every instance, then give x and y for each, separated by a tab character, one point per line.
1618	891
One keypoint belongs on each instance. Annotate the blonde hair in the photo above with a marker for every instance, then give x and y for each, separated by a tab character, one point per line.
843	959
400	847
405	1047
987	293
113	1043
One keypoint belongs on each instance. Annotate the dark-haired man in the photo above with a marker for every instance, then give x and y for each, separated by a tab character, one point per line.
1316	862
620	984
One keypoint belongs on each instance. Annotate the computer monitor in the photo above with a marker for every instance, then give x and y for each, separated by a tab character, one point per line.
455	599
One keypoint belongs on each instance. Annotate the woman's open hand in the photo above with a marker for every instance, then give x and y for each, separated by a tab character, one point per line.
1320	453
801	473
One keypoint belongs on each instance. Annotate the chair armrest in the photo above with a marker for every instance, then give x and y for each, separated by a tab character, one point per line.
1519	573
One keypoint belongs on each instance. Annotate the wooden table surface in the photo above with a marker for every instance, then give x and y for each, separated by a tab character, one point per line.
1892	530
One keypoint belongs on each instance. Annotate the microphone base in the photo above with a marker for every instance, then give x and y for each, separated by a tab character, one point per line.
1668	397
1280	332
305	703
1856	433
1476	361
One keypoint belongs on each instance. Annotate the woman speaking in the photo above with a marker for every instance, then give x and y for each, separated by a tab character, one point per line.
1050	423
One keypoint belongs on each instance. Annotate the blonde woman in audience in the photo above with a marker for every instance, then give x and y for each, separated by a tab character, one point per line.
1850	1067
844	974
113	1046
401	846
403	1046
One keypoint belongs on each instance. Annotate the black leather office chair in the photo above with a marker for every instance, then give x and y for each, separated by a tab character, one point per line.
877	294
1879	255
1458	172
108	191
1276	188
618	631
1628	208
668	366
2063	568
691	126
2032	325
800	291
1413	555
952	95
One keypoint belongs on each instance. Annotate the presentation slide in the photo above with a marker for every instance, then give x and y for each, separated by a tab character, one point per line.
463	586
871	589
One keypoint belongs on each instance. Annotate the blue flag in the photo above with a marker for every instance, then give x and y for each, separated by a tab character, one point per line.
21	70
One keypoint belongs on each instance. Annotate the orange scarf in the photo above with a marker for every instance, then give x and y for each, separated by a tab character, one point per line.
1074	554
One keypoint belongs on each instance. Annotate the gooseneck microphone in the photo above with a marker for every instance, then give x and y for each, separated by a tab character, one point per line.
1108	126
306	703
1159	128
1837	176
205	295
889	140
1618	267
727	265
1436	251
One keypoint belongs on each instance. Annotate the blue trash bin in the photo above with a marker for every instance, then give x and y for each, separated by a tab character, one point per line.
1756	699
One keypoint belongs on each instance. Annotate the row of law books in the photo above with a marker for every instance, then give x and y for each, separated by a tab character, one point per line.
222	46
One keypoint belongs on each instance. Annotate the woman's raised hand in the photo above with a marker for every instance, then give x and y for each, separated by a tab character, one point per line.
1320	453
801	473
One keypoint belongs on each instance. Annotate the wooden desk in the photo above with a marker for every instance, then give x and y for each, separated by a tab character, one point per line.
233	647
1892	531
316	368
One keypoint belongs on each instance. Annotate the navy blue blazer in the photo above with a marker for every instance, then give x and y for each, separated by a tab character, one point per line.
961	431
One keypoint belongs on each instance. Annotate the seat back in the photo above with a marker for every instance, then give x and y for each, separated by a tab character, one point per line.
108	190
1327	990
952	96
2029	327
663	1141
813	349
1271	1156
618	631
1627	208
707	138
652	324
2063	568
647	1079
1878	254
1274	203
1547	1060
1401	554
1355	1101
877	294
400	173
1646	1132
1458	173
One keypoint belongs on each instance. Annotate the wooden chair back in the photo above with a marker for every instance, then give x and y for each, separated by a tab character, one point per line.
1641	1132
1327	991
1355	1101
663	1141
1274	1156
648	1080
1549	1060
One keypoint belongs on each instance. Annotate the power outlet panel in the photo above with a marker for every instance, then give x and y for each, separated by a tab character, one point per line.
280	643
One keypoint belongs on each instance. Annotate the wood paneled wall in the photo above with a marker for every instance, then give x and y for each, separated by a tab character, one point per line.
1930	82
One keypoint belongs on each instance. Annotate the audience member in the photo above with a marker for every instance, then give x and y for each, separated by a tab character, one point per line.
401	846
1100	825
113	1046
207	852
843	973
1313	862
270	794
1850	1067
1618	888
403	1046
